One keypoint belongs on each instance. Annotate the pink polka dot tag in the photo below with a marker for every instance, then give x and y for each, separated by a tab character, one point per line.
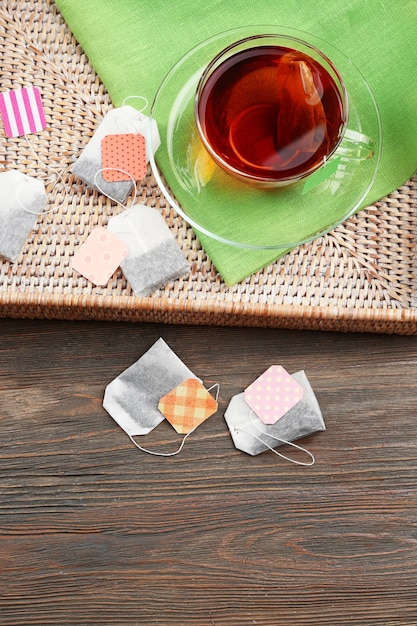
273	394
99	256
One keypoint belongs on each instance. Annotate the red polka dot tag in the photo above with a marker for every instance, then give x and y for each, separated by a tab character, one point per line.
99	256
125	152
273	394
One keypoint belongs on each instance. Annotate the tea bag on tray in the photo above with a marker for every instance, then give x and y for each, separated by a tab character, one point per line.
154	257
121	120
22	199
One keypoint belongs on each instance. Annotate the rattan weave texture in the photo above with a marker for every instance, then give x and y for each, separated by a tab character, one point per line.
360	277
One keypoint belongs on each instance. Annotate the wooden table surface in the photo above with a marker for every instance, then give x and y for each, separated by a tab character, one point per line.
93	531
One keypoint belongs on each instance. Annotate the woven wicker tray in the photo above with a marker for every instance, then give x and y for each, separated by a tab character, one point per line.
360	277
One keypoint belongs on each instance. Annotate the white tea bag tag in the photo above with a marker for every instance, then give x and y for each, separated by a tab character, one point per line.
22	199
253	436
132	398
122	120
154	257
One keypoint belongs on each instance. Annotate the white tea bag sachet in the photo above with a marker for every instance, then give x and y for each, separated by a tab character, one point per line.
121	120
132	398
154	257
253	436
22	199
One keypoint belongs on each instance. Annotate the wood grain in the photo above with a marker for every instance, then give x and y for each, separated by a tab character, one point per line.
92	531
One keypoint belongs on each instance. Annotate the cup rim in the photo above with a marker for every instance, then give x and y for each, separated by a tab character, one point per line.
269	181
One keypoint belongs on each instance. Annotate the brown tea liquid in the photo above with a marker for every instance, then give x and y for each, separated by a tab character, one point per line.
271	112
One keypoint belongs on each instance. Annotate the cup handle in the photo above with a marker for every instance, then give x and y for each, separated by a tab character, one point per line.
356	146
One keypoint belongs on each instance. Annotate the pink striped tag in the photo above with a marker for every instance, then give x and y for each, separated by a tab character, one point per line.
22	111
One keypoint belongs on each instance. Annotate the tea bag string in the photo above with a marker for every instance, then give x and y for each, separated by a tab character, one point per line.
167	454
217	387
145	100
114	169
126	125
58	177
290	443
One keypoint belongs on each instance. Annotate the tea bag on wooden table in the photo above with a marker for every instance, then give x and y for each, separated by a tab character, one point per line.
154	257
253	436
22	199
118	121
132	398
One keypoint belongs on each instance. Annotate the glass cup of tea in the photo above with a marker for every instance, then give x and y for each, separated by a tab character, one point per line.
272	109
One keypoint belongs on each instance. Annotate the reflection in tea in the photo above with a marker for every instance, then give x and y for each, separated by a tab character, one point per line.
271	112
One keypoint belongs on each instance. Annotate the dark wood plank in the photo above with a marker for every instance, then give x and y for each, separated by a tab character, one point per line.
92	531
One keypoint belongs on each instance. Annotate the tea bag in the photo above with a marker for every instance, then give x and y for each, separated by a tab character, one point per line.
252	436
301	124
122	120
154	257
132	398
22	199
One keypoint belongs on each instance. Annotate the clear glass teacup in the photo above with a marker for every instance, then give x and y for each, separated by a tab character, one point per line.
272	109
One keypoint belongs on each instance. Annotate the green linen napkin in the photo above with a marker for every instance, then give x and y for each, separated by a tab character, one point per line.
132	44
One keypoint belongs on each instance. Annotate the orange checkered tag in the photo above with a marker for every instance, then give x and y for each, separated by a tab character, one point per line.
187	406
